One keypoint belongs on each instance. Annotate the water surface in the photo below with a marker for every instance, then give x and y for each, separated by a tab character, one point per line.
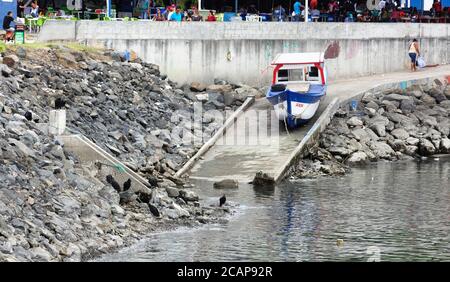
387	211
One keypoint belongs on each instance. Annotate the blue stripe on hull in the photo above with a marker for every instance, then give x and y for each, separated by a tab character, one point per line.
315	93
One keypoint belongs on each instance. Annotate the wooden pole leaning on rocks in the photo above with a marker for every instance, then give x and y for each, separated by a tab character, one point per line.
188	165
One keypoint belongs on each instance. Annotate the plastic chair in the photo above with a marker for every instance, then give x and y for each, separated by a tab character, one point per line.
376	14
227	16
219	17
40	22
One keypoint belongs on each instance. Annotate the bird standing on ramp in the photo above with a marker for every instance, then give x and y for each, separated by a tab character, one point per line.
222	200
110	179
127	185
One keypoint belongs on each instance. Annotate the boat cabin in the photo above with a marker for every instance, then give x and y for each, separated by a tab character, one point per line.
299	68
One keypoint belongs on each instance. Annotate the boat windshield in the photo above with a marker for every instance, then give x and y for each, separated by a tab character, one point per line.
304	74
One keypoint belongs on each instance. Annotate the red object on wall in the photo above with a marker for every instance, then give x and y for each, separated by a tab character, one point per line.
313	4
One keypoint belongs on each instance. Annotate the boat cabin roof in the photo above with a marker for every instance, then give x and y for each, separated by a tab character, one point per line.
298	58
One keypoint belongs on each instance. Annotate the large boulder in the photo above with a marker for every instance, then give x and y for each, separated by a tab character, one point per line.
5	70
172	192
378	125
21	52
219	88
197	86
407	106
427	99
354	121
372	105
400	133
360	134
437	94
263	179
412	141
426	148
226	184
382	150
447	91
396	97
176	211
188	196
445	145
245	91
357	158
379	128
11	60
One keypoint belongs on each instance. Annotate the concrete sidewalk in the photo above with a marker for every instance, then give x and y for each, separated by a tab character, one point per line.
270	153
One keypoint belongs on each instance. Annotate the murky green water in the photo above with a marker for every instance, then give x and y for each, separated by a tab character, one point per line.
388	211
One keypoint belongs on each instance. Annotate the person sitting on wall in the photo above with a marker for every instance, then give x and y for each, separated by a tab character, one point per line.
211	17
159	17
196	17
243	13
7	20
297	11
437	8
349	9
384	15
252	10
20	8
395	15
279	14
333	9
169	11
145	6
177	16
187	16
414	14
34	9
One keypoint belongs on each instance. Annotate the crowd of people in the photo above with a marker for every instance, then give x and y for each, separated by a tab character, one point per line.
355	10
330	11
28	8
174	13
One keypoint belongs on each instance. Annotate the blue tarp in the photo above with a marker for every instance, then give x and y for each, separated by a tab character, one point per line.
417	4
5	6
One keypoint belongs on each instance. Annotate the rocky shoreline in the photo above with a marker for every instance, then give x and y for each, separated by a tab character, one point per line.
390	125
51	208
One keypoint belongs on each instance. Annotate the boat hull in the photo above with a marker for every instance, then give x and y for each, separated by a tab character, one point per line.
296	108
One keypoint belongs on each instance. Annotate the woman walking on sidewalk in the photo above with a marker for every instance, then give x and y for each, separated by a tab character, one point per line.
414	53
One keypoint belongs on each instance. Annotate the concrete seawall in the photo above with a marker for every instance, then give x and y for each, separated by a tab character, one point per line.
242	52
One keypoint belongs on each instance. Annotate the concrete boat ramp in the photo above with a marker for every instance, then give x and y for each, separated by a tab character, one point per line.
253	140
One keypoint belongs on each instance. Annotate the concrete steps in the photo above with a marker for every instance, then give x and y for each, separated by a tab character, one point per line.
101	163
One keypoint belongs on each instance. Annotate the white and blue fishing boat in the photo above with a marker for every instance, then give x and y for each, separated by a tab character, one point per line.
298	84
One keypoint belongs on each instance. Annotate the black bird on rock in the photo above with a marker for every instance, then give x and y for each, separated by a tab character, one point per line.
59	103
222	200
127	185
110	179
153	181
153	210
28	115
